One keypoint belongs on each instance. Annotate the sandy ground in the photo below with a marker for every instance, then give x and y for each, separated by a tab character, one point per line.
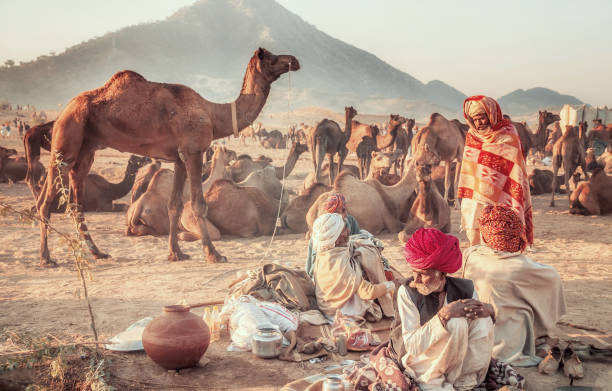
138	281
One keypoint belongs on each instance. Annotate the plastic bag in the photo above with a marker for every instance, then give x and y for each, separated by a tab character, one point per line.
244	322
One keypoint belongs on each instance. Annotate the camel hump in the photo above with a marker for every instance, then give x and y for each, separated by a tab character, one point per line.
341	177
125	76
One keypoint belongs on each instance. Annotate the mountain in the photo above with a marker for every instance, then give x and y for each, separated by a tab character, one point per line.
207	46
528	101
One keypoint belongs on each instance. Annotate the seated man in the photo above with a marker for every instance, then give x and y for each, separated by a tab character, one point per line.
339	270
527	296
335	204
445	338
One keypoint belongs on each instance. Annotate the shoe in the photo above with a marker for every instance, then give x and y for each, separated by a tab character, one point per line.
550	364
572	366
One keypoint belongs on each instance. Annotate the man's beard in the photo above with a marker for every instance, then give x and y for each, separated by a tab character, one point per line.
427	289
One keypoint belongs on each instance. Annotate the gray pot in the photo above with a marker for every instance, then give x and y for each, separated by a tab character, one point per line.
267	343
333	383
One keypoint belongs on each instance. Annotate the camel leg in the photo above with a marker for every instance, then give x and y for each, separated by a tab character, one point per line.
193	164
554	180
447	180
341	156
43	206
175	207
332	170
78	174
29	179
456	183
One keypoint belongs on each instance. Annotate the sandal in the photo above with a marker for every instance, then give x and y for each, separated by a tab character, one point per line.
572	366
550	364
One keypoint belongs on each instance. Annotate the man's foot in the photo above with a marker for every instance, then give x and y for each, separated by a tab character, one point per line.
177	256
215	257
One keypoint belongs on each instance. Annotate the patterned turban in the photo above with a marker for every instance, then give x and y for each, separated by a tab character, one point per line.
335	201
326	230
502	229
478	104
429	248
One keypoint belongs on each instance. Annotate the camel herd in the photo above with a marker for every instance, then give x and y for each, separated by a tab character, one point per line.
211	192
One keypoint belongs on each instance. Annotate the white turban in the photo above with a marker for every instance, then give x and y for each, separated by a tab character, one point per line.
474	108
326	230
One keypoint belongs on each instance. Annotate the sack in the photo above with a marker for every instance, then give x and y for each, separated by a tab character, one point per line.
279	316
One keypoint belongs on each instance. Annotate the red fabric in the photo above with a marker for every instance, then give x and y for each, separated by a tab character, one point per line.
496	119
429	248
502	229
335	201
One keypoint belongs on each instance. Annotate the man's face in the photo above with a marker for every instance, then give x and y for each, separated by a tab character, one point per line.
481	121
343	238
341	210
427	281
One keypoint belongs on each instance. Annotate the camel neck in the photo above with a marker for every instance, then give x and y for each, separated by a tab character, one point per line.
253	96
122	188
348	126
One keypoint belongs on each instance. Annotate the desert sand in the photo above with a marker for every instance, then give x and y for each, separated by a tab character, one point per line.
138	281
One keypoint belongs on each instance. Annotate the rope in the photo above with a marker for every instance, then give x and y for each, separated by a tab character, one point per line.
280	201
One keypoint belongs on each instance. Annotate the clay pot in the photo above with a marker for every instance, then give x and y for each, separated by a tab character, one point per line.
177	338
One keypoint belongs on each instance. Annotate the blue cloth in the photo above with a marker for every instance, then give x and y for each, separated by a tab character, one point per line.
310	259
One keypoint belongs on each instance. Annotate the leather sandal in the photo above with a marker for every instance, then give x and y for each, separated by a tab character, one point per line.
572	366
550	364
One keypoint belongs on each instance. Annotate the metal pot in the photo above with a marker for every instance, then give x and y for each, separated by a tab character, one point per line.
333	383
267	343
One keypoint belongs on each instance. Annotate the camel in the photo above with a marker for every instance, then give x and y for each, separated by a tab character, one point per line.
143	178
535	140
569	153
328	139
5	156
540	182
311	177
244	165
266	181
249	131
402	143
376	207
463	127
429	209
365	149
275	139
383	141
36	137
159	120
148	215
240	211
593	197
438	175
380	167
293	218
440	140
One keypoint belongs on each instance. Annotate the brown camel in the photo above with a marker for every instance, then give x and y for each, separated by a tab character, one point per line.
328	139
569	153
463	127
249	131
380	167
438	174
376	207
244	165
5	156
310	178
240	211
148	215
540	182
535	140
440	140
293	218
143	178
365	149
358	130
402	143
593	197
429	209
552	136
36	137
159	120
275	139
266	181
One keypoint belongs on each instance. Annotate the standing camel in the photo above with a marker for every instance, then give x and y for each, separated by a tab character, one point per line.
159	120
402	143
440	140
329	139
36	137
535	140
569	153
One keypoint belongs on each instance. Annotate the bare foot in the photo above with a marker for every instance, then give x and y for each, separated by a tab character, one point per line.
177	256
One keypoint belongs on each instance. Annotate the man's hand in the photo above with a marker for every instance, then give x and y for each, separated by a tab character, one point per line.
466	308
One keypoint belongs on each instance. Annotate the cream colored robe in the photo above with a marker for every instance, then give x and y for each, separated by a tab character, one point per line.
527	297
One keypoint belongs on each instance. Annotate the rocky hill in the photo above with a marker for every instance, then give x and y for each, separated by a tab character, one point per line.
527	101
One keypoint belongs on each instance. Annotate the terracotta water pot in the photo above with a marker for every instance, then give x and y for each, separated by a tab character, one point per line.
177	338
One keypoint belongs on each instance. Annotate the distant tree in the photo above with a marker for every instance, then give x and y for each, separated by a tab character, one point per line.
9	63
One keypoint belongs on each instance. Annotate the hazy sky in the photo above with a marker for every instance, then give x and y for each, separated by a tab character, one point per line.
477	46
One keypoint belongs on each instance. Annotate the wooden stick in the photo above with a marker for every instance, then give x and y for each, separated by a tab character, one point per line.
206	303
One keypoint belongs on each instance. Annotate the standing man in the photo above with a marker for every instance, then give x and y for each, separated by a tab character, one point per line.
493	170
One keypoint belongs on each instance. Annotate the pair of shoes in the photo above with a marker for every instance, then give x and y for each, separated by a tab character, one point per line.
572	366
551	362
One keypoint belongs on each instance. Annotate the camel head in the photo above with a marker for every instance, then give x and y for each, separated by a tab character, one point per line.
423	173
396	120
5	152
272	66
547	118
410	122
350	112
382	162
136	162
298	148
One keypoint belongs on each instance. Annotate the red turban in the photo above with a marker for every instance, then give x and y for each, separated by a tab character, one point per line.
429	248
502	229
335	201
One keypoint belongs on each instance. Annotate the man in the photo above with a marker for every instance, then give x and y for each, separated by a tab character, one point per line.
339	273
445	338
527	296
493	169
334	204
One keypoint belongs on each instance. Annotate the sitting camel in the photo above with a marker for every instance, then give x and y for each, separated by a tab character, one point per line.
5	155
274	139
143	178
593	197
328	139
14	169
148	215
376	207
310	178
540	182
569	153
240	169
266	181
380	167
293	218
429	209
440	140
